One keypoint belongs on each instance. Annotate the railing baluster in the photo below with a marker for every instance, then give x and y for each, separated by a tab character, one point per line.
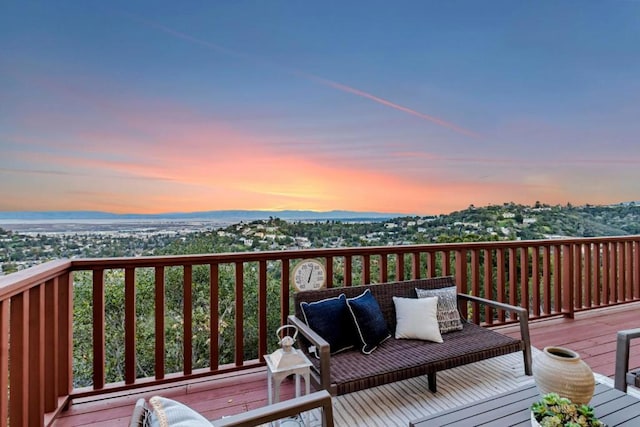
129	325
577	276
284	300
500	282
586	276
567	292
613	276
214	314
366	269
628	270
446	263
19	355
513	280
159	323
622	284
636	269
98	329
383	267
263	330
475	282
348	270
329	267
488	285
239	308
546	272
557	278
187	314
4	362
524	278
415	265
535	280
36	355
65	334
595	267
399	266
51	344
461	277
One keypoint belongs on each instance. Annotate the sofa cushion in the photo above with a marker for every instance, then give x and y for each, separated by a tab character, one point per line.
330	318
448	315
417	319
170	413
371	328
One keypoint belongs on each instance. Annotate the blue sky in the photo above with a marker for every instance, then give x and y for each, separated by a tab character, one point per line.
410	106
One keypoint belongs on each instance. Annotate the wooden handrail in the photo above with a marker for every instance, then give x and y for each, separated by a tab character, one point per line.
547	278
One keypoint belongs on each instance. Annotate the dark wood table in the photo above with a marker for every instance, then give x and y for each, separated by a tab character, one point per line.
611	406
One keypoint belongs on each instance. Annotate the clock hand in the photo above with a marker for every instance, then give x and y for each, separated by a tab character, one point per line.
309	279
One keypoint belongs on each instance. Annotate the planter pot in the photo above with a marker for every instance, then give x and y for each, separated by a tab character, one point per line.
560	370
534	422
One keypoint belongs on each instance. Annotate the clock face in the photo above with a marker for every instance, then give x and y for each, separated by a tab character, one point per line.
309	274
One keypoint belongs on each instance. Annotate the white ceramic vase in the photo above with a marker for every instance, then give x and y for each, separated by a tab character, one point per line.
560	370
534	422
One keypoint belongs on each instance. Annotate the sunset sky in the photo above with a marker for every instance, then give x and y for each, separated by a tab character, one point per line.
417	107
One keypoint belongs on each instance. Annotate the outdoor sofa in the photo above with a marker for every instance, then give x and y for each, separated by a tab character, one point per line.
396	359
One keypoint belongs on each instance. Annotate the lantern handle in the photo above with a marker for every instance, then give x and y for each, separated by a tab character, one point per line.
282	328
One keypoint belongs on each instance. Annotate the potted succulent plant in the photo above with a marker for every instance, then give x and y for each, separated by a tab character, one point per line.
555	411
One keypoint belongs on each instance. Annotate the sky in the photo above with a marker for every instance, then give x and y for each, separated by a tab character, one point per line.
417	107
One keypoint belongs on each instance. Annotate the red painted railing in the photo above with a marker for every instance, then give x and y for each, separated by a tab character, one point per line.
550	278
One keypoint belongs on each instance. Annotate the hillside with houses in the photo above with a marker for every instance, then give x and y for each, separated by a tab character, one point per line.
508	221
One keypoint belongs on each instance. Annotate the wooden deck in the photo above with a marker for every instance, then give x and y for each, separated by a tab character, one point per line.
591	333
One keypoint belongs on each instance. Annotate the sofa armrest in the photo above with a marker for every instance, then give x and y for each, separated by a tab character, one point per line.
287	408
322	347
622	356
523	317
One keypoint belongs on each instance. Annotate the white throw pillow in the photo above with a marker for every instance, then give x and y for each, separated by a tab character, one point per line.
417	318
169	413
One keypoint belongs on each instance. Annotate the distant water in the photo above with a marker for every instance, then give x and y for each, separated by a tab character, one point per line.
114	226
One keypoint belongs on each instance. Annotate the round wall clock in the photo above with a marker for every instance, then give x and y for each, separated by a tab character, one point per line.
309	274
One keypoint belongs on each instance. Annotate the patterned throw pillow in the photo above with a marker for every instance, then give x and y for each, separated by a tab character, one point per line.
330	318
371	327
448	315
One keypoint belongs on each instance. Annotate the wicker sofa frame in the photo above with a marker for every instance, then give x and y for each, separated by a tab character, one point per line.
400	359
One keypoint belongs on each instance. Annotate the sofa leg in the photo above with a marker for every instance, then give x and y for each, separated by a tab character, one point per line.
432	382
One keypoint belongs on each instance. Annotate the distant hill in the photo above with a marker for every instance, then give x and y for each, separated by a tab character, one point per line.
221	215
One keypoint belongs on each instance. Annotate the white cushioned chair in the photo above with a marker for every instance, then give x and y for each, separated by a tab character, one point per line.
162	412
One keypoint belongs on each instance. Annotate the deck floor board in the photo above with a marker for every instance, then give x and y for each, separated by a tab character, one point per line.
591	333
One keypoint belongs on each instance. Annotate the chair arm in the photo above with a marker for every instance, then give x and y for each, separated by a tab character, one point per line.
322	347
523	317
287	408
622	356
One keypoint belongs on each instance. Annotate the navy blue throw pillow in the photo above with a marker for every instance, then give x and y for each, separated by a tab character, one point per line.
330	318
371	327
